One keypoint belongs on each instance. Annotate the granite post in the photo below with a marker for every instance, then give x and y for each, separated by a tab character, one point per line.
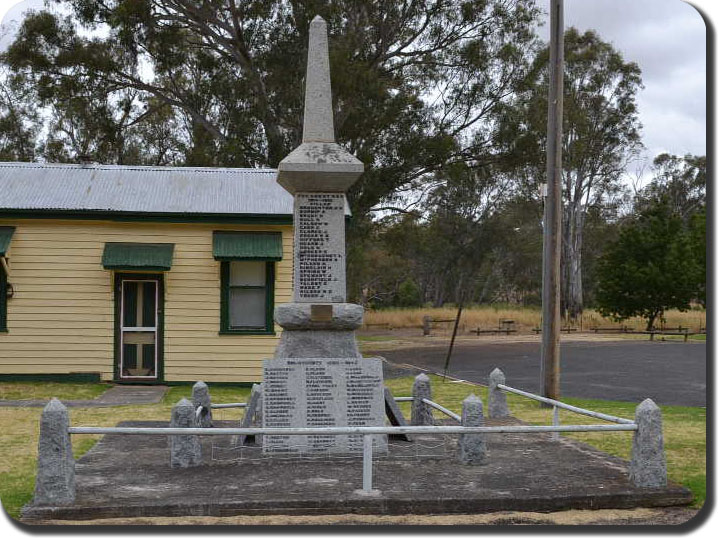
318	376
426	325
185	450
200	397
472	446
648	459
252	416
498	408
55	482
421	414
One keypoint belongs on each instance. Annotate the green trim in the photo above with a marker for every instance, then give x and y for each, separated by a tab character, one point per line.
55	378
5	238
224	328
140	268
3	300
138	256
135	216
254	246
159	344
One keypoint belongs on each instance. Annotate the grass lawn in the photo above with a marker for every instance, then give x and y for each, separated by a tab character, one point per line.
684	428
41	390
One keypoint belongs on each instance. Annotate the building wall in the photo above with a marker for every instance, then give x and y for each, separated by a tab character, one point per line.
61	318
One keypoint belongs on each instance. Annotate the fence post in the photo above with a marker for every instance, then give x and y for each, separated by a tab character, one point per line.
472	446
367	463
55	482
421	414
648	459
185	450
200	397
426	325
556	421
498	408
252	416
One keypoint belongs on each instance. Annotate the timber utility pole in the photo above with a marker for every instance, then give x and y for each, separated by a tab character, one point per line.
551	285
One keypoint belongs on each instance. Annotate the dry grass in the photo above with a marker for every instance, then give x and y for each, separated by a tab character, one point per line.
487	317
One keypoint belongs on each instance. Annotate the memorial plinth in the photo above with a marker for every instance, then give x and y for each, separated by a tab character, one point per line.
311	393
317	376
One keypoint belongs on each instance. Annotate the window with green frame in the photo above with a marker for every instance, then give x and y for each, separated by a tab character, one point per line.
3	299
247	300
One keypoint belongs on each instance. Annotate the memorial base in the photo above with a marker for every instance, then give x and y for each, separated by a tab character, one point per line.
324	330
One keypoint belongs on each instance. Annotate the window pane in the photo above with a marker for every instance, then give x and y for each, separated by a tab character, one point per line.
149	298
247	308
247	273
129	304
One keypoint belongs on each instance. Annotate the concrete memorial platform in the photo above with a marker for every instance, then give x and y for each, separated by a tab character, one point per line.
131	476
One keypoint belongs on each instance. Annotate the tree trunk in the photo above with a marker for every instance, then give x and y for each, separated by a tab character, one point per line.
572	285
652	320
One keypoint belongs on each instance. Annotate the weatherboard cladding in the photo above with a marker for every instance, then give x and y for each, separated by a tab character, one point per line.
141	189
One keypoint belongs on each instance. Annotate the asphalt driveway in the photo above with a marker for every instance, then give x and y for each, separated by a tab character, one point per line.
672	373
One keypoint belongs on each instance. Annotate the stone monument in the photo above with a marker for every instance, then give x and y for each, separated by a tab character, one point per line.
317	376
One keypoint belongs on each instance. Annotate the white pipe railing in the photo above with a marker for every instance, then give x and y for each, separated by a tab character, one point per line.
442	409
367	464
350	430
556	403
229	405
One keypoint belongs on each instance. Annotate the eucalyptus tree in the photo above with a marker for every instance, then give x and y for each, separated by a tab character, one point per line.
681	180
416	83
601	135
18	120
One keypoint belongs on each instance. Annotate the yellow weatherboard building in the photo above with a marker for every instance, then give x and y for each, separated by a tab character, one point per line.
141	274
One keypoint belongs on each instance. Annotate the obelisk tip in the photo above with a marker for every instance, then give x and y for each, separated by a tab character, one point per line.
318	114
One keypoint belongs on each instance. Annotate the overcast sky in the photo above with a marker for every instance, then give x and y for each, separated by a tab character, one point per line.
667	38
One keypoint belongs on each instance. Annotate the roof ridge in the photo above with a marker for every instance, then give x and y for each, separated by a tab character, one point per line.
204	169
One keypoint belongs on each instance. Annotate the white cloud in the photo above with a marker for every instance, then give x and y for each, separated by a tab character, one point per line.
667	39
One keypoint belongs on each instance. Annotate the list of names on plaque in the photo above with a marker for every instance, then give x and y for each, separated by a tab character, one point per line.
322	392
319	242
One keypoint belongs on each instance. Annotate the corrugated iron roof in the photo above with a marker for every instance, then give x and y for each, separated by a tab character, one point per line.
142	189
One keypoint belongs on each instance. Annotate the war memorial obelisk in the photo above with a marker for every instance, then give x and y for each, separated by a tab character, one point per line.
317	376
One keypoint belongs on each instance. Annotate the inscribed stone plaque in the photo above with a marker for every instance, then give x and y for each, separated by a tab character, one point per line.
306	393
319	266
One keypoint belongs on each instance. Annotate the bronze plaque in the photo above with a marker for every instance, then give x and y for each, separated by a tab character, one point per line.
321	312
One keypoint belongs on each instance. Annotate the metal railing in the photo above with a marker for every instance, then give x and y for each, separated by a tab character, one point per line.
567	407
470	426
368	432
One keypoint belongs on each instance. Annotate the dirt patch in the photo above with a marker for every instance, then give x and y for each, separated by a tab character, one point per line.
638	516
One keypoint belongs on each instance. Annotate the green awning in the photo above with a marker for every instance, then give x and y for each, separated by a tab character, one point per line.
138	256
265	246
5	236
